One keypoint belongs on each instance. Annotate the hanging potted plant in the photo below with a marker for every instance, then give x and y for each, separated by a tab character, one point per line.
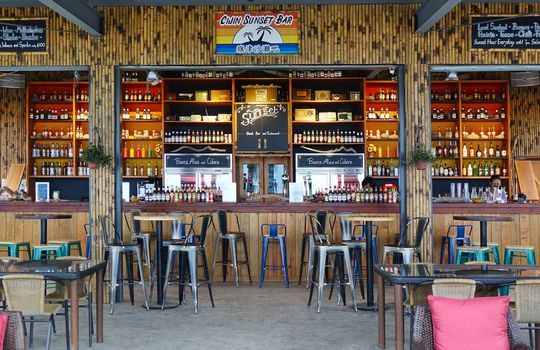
95	156
421	156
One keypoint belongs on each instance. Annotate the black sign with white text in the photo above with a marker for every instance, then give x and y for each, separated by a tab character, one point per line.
337	160
506	33
262	127
23	35
200	161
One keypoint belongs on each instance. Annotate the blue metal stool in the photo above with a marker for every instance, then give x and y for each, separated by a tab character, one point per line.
362	237
472	254
274	233
461	236
494	250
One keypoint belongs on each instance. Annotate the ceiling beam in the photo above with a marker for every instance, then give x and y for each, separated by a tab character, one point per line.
79	13
431	12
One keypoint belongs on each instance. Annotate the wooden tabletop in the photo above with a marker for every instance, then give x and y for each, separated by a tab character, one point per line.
164	217
368	218
482	218
43	216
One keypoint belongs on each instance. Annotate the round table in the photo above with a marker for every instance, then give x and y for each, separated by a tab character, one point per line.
483	223
43	218
160	262
368	222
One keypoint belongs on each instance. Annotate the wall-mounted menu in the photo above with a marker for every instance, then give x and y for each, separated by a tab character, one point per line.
505	33
352	162
23	35
262	127
197	161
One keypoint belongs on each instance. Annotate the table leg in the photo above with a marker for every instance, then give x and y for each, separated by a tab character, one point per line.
382	312
99	306
159	261
43	239
537	336
370	304
483	233
398	302
74	300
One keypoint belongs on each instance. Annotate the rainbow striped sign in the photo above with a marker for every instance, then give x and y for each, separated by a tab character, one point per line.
248	33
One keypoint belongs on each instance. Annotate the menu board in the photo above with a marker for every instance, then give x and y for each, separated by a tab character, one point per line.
506	33
345	161
197	161
23	35
262	127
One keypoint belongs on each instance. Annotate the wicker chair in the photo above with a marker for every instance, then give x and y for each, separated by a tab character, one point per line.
457	288
61	296
422	337
528	305
485	290
26	293
14	336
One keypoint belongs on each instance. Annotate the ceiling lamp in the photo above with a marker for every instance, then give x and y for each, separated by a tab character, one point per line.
452	76
152	78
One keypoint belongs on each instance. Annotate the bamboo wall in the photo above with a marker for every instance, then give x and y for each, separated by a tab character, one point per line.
525	126
330	34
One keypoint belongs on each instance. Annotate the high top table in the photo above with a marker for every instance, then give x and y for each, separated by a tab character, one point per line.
368	222
43	218
160	262
483	224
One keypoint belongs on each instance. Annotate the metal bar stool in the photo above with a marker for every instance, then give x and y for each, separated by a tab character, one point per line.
113	250
472	254
230	238
14	248
408	251
193	250
323	247
142	237
274	233
456	236
49	249
68	245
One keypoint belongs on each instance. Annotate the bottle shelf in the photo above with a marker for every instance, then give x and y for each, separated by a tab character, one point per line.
382	120
385	140
483	120
448	177
375	158
142	139
445	120
135	158
326	143
383	177
449	158
51	102
198	143
193	122
141	120
464	102
57	177
141	102
139	177
484	140
57	158
382	101
51	120
443	139
326	101
444	101
485	158
50	139
217	103
301	122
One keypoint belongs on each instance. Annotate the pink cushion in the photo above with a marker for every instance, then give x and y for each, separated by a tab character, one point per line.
3	325
470	324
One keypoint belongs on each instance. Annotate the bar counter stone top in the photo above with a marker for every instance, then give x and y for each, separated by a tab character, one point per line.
43	207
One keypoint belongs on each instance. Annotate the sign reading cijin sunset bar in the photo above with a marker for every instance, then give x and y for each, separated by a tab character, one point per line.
23	35
506	33
247	33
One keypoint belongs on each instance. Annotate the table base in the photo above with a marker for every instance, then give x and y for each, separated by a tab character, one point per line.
155	306
364	307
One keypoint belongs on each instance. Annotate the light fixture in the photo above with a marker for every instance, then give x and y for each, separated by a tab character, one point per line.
452	76
152	78
392	70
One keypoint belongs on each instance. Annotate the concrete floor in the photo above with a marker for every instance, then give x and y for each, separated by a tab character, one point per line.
272	317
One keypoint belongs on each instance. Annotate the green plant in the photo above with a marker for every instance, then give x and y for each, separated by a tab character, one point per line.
421	154
96	154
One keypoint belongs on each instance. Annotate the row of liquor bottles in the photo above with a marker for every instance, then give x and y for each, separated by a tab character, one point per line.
60	96
384	113
143	170
491	133
145	114
52	133
145	151
147	96
197	136
469	113
60	169
49	114
379	168
476	95
470	152
327	136
484	169
185	193
52	150
349	194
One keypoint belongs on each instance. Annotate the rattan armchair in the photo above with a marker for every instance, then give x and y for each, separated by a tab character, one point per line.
26	293
457	288
528	305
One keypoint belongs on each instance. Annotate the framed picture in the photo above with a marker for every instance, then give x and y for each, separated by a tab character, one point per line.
42	191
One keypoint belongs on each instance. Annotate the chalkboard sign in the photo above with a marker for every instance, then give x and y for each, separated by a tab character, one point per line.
23	35
506	33
262	127
197	161
354	162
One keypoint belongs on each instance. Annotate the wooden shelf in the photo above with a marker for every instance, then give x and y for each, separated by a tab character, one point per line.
204	102
142	102
135	158
51	102
57	177
445	120
199	143
50	120
139	177
382	101
444	101
485	140
190	122
326	143
141	120
485	158
483	120
328	122
383	177
141	139
57	158
381	140
325	102
482	101
382	120
50	139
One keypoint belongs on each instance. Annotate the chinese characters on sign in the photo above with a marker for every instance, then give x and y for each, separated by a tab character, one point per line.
23	35
257	33
506	33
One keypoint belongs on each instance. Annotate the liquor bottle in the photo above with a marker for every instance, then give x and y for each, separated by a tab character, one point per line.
475	169
138	152
491	149
128	169
503	113
504	171
469	170
141	170
497	169
478	152
471	151
131	152
148	169
486	168
503	151
480	169
497	152
155	169
125	152
465	152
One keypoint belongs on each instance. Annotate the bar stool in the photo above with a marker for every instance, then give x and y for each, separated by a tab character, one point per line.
356	245
14	248
49	249
141	236
456	236
113	250
193	250
323	247
362	237
472	254
274	233
406	250
493	250
523	251
68	245
87	232
231	238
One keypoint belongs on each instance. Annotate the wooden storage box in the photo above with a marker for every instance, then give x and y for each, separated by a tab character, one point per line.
327	116
305	114
302	94
201	95
261	93
220	95
322	95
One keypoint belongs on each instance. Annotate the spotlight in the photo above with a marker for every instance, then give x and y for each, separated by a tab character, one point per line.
452	76
392	70
152	78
